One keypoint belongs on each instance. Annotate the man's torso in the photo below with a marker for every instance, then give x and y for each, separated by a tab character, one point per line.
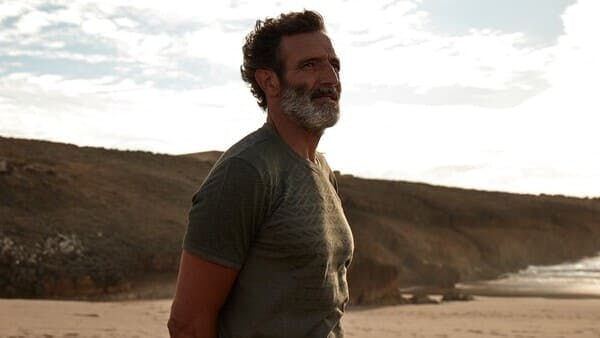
296	244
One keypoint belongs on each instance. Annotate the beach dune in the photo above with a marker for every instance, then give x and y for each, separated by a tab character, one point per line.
485	317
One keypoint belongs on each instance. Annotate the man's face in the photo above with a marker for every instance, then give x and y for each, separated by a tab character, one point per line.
310	86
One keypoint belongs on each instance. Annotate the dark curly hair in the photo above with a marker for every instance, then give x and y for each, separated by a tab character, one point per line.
261	47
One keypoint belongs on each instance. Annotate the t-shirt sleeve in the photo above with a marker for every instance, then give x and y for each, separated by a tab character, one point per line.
226	213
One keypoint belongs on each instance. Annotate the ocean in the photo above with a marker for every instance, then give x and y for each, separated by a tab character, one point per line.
569	279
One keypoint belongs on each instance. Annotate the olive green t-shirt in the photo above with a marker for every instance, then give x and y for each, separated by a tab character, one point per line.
277	218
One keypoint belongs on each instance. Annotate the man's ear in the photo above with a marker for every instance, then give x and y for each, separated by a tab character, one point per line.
268	81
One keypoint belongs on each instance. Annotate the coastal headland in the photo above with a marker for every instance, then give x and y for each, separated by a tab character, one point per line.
88	223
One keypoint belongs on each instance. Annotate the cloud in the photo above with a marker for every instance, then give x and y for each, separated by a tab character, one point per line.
516	91
123	114
11	9
102	27
396	51
566	115
544	144
571	101
481	60
157	38
483	106
576	65
539	22
32	22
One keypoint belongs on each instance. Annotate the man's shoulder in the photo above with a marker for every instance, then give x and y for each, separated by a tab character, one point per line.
261	149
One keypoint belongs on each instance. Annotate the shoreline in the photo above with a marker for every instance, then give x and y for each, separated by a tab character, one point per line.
488	289
528	294
162	287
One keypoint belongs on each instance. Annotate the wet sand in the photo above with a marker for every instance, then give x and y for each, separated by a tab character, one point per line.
484	317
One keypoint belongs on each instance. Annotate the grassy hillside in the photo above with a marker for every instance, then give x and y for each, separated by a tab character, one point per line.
418	234
85	221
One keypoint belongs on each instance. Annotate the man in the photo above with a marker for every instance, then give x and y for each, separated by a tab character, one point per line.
268	246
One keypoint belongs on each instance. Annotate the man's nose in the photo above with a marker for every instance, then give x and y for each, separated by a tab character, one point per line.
330	75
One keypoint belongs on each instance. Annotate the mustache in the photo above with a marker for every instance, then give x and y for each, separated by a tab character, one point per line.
328	91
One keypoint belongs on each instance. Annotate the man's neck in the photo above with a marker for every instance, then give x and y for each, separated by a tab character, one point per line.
302	141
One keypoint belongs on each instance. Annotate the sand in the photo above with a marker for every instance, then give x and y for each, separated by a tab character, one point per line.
484	317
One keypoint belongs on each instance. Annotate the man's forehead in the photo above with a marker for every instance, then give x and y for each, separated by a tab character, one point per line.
299	46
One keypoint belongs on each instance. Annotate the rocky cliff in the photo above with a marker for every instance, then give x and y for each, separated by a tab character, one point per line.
79	221
418	234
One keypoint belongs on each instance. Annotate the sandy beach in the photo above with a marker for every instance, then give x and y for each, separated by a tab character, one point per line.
484	317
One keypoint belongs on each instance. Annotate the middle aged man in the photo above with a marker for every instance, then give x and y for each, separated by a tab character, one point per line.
268	246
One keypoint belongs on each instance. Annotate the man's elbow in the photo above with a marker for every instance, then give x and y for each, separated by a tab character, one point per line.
175	328
200	325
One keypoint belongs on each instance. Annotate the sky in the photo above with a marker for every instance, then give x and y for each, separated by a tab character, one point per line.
483	94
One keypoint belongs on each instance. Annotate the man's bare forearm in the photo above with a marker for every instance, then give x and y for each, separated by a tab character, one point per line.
201	290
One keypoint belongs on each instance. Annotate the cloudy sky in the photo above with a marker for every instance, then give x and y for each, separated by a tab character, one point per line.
487	94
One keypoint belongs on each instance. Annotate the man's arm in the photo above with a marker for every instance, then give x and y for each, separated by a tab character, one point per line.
202	288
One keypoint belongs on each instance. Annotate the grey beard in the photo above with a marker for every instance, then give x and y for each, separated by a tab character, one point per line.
298	106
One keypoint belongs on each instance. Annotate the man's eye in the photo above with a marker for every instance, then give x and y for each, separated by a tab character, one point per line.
308	65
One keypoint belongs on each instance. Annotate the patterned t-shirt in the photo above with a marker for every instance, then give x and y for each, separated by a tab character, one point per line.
277	217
